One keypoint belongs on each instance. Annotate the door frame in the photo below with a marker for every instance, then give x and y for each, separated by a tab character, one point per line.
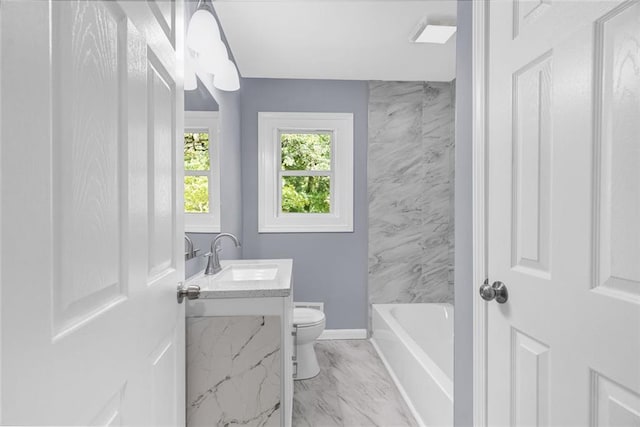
479	61
1	191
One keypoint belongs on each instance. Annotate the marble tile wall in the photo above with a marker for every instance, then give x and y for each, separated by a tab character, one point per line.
233	371
410	186
452	175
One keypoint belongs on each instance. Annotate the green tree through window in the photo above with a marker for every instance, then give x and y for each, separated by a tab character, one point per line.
196	166
303	193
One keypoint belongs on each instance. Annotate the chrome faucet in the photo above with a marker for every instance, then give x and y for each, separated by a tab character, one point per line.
189	252
213	264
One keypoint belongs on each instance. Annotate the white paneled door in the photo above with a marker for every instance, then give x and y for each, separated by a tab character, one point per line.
563	141
90	209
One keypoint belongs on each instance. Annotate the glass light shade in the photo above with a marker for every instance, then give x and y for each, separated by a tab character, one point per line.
213	57
227	78
203	30
190	82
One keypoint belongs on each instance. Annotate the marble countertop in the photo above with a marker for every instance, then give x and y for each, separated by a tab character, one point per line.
221	286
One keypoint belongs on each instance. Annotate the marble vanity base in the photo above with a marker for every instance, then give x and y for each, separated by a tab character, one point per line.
233	371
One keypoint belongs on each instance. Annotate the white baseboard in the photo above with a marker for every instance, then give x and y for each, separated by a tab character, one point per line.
344	334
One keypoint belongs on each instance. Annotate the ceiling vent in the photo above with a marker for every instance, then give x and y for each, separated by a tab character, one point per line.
438	33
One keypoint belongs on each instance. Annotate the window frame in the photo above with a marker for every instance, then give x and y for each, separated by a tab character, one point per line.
205	121
271	219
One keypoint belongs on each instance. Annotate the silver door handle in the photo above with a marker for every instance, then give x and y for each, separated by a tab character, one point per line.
294	357
497	291
189	292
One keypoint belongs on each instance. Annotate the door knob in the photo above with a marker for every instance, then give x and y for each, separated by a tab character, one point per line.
497	291
189	292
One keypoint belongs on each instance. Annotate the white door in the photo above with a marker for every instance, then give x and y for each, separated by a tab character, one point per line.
91	117
564	213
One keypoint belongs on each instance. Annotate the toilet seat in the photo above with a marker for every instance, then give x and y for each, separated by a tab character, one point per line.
309	325
307	317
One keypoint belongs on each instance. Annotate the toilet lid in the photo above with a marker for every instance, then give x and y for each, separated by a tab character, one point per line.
307	316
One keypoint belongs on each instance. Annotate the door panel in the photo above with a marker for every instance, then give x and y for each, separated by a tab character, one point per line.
164	393
530	380
614	405
91	213
617	192
564	203
532	166
88	182
525	12
165	14
161	96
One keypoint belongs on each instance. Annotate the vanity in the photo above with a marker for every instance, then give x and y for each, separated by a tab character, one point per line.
240	361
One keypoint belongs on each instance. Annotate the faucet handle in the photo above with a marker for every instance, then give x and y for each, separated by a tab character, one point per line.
211	267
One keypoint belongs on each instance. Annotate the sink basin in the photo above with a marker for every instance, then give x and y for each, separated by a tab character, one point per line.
246	278
248	272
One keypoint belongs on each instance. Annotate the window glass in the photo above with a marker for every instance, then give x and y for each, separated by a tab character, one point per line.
306	151
306	194
196	194
196	158
196	151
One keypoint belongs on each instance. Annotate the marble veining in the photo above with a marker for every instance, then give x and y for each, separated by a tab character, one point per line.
353	389
233	371
410	190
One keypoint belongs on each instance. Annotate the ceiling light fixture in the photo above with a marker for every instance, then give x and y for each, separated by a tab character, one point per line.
209	51
434	33
212	57
203	28
227	78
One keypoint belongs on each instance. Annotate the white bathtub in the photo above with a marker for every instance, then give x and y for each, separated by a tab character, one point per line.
415	342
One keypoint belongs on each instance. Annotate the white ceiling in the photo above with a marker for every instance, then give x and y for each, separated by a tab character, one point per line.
337	39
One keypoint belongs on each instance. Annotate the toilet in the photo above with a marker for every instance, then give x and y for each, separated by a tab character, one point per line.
309	324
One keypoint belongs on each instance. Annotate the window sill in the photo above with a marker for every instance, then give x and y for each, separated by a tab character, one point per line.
204	224
307	228
202	229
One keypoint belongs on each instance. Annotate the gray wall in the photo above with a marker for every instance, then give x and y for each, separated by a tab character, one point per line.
464	286
328	267
410	192
199	99
230	170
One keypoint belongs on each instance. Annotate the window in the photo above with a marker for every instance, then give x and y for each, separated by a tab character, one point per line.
306	172
201	172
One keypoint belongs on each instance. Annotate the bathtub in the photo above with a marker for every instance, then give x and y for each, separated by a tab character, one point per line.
415	342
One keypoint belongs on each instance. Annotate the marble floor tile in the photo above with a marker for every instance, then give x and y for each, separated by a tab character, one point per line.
352	389
313	408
